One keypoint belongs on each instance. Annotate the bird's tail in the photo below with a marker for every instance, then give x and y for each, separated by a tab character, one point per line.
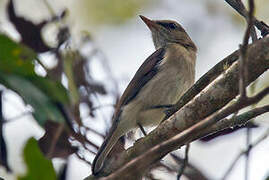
105	148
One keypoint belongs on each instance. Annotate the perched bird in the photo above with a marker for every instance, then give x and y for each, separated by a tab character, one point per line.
158	84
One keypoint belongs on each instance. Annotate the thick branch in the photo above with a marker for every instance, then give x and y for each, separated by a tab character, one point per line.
213	98
138	165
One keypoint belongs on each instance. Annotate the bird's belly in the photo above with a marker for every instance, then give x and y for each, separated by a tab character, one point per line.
164	89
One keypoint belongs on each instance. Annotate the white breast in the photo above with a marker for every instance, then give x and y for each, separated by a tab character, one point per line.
175	75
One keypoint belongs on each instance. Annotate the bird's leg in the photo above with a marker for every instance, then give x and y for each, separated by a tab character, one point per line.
142	129
167	107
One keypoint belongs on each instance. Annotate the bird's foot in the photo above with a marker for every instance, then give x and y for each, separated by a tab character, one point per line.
142	129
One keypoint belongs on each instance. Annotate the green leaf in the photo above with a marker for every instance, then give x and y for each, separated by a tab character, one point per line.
55	90
17	73
15	58
18	59
38	167
44	108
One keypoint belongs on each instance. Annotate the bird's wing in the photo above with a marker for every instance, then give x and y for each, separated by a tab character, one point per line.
146	71
144	74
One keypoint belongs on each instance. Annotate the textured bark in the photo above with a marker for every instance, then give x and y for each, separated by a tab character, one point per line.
212	98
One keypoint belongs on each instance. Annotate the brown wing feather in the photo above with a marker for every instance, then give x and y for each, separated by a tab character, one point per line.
145	72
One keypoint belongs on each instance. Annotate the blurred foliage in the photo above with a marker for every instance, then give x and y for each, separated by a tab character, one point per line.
38	167
54	106
113	11
50	100
62	147
14	58
17	73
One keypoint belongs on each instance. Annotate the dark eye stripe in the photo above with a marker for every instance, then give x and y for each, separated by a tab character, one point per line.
170	26
166	25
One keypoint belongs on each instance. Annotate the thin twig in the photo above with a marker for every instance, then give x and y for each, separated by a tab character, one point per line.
243	70
185	162
154	153
41	64
254	144
248	135
240	8
191	172
83	158
248	139
83	140
235	121
243	75
83	145
142	129
93	130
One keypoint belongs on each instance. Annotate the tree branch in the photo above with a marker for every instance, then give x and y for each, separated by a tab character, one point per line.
191	172
243	73
138	165
214	97
235	121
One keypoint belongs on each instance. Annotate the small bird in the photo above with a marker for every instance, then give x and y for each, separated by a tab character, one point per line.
158	84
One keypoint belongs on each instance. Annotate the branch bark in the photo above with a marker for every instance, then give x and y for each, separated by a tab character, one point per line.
213	98
137	166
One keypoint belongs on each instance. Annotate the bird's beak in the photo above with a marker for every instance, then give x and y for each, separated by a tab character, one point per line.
151	24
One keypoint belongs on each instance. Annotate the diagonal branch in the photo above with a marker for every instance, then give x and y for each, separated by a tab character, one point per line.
140	163
191	172
214	97
243	74
235	121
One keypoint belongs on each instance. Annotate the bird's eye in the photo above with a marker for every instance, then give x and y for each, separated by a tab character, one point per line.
172	25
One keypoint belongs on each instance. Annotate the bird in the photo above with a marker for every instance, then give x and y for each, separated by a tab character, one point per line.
156	86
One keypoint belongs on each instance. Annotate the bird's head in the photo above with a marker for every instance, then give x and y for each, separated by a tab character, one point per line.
167	31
